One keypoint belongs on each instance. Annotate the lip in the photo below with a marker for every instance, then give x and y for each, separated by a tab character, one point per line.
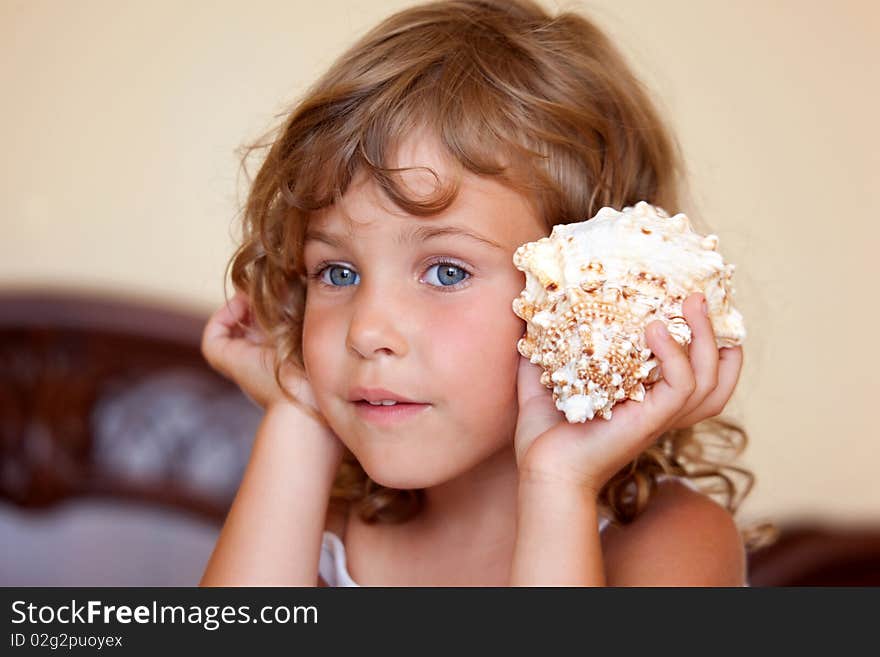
388	415
378	394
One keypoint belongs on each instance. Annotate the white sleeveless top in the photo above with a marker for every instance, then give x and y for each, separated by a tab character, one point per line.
334	571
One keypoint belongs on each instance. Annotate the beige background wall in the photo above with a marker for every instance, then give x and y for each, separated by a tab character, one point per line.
120	122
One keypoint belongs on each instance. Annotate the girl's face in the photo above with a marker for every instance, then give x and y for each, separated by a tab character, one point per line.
395	303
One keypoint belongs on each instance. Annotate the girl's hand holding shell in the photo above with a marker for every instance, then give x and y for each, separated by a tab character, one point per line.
696	384
592	288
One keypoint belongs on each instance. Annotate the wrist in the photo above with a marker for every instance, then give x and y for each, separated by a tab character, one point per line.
544	476
308	414
306	429
557	541
548	484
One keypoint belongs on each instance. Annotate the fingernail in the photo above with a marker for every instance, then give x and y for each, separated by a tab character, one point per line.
660	331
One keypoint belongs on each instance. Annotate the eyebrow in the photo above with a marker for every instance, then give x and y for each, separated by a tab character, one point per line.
410	236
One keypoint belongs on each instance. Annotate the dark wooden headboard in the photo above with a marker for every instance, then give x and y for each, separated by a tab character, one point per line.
110	397
819	554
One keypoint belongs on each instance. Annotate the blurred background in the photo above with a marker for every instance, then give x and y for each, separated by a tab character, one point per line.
121	450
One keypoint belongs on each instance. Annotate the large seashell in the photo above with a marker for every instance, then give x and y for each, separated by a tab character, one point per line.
592	288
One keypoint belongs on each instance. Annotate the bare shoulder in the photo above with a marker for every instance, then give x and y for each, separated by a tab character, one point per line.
682	538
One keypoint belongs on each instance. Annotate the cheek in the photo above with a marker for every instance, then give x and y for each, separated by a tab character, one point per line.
319	338
478	331
476	350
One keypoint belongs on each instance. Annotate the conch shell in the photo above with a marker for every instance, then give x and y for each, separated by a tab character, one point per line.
592	288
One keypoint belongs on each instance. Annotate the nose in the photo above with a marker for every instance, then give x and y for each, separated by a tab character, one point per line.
376	322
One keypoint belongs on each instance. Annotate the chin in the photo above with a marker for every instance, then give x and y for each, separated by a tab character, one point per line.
404	476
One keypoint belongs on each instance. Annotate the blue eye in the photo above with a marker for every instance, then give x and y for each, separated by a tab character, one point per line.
449	275
341	279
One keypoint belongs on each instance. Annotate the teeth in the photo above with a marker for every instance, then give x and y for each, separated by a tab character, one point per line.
384	402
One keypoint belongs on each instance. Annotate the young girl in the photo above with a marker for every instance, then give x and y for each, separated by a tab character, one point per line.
376	265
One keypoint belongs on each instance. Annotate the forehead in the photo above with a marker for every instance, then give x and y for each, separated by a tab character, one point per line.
491	211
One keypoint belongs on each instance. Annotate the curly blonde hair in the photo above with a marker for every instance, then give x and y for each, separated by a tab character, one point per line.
546	104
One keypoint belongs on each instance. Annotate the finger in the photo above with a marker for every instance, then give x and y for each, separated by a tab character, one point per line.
537	410
702	352
729	368
677	384
217	326
239	312
227	316
245	319
218	337
235	320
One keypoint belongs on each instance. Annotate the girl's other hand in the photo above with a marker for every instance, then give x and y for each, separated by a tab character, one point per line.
237	349
696	384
